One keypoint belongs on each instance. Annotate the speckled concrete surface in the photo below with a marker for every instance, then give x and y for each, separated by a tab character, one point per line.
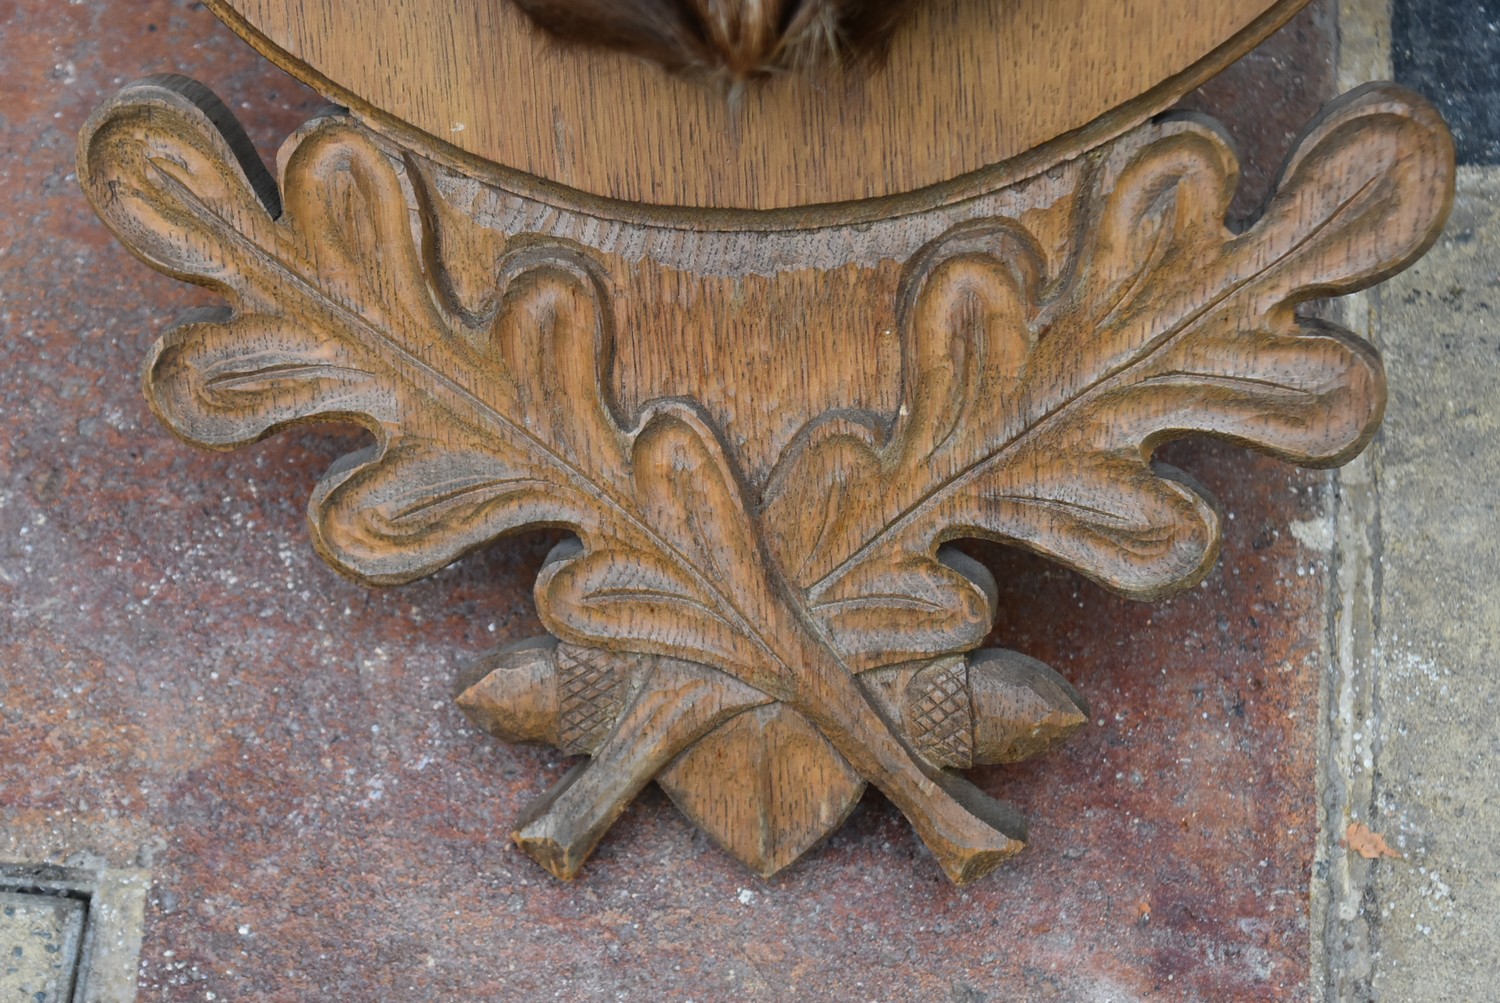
1433	744
185	688
1416	722
1412	749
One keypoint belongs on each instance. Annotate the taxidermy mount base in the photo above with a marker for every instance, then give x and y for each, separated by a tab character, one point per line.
764	431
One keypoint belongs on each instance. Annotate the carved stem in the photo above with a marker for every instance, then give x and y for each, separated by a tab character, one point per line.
675	706
967	830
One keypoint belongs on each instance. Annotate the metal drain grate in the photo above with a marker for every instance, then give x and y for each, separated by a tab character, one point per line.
44	933
69	935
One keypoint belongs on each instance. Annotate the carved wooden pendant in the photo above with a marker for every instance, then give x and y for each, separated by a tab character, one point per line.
758	607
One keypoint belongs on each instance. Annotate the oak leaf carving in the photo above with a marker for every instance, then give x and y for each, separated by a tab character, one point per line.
484	421
1033	403
1033	398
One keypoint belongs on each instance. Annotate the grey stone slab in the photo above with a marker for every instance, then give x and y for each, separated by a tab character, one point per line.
1450	51
40	939
1429	741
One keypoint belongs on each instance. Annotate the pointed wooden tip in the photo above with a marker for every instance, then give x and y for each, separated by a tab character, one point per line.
1022	708
554	833
995	832
512	692
767	786
557	858
971	868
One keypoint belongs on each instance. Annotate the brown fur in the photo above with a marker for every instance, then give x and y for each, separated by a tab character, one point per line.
729	40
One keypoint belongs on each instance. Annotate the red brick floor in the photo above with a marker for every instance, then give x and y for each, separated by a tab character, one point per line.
184	685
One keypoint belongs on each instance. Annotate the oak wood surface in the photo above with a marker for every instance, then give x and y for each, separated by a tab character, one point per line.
1003	87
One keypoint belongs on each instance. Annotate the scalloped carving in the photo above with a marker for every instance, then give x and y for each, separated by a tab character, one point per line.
768	648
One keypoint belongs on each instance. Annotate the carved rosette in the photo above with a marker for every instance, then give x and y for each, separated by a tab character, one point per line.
766	622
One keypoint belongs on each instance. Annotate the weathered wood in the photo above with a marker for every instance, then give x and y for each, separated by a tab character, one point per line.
764	436
1007	87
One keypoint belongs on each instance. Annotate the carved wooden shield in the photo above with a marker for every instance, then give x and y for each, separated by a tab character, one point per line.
969	84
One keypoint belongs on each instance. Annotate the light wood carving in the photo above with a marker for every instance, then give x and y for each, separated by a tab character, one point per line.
764	613
968	85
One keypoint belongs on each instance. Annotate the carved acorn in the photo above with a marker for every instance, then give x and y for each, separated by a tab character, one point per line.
993	706
1021	707
539	690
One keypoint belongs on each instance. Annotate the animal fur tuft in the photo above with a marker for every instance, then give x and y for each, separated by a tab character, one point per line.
733	41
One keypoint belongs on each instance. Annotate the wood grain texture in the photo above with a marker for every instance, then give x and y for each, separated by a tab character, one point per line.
1006	87
758	603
